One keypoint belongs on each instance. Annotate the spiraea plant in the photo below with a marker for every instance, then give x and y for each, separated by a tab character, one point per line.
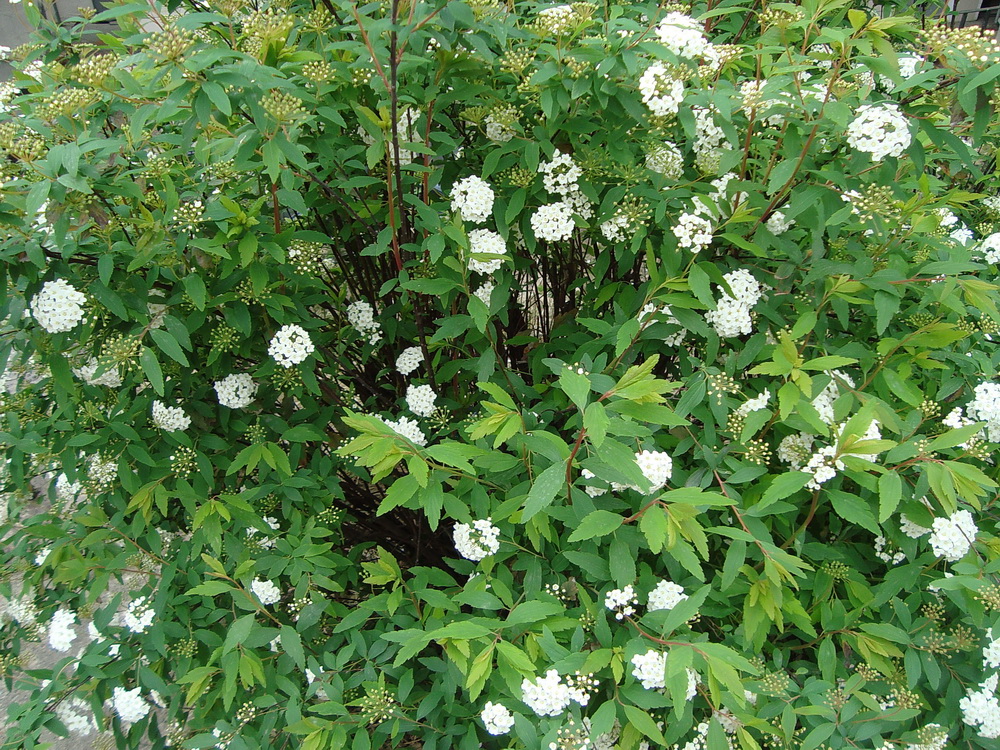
501	374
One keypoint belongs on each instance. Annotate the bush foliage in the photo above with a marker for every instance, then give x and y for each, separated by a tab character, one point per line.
377	360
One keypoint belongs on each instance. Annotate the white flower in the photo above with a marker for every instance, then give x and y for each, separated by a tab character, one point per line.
666	159
546	696
409	360
485	241
990	247
553	222
266	591
477	541
129	704
236	391
908	65
980	708
883	551
420	399
693	232
499	124
139	615
473	199
880	130
361	316
661	92
408	428
61	631
754	404
485	292
731	316
911	529
290	345
76	716
951	538
682	35
497	718
170	418
650	669
991	651
795	449
985	407
560	175
778	224
58	307
88	373
656	466
666	595
823	466
621	601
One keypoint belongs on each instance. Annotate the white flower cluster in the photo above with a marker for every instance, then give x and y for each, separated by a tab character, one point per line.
290	345
420	399
408	428
553	222
361	316
951	538
682	35
656	466
880	130
61	631
985	407
236	391
58	307
908	65
485	292
980	708
473	198
409	360
666	595
884	552
129	704
76	716
823	465
990	248
266	591
88	374
496	718
661	92
561	174
823	403
170	418
731	316
650	669
485	242
549	695
778	224
621	601
757	403
499	124
138	615
708	141
991	651
617	228
912	530
476	541
693	232
666	159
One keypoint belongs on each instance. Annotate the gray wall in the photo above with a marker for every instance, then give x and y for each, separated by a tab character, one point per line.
13	30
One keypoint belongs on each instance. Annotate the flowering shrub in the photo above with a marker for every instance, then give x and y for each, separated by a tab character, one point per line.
509	375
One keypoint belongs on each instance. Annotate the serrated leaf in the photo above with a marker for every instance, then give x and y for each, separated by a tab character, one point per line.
597	523
291	643
544	490
890	492
151	368
595	422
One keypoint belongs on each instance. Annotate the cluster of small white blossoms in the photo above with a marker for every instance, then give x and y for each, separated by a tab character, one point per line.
621	601
485	292
731	316
420	399
170	418
290	345
708	140
666	595
682	35
58	307
61	631
693	232
908	65
985	407
990	248
981	708
129	704
823	403
499	124
757	403
236	391
553	221
991	651
409	360
138	615
361	316
476	541
665	315
650	669
497	718
561	174
951	538
617	228
485	242
473	198
661	92
656	466
911	529
666	159
884	552
266	591
408	428
549	695
956	418
110	378
823	465
76	716
880	130
778	224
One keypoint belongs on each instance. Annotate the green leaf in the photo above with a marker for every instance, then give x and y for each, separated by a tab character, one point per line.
544	490
595	422
238	632
169	346
890	492
829	362
210	588
782	486
645	724
151	368
575	385
596	523
654	525
291	642
303	433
